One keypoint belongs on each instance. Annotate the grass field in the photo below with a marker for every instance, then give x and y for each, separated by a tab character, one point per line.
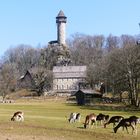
47	120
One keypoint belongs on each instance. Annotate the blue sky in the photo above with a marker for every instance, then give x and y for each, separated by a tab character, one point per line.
32	22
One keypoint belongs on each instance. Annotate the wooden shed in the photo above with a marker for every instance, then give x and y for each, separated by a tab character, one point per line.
86	96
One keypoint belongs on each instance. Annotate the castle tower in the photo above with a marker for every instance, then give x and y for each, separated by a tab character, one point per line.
61	25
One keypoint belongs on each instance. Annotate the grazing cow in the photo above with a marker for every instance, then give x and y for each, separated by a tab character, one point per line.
18	116
102	118
114	120
90	119
74	117
128	122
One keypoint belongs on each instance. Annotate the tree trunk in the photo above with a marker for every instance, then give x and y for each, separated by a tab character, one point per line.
133	90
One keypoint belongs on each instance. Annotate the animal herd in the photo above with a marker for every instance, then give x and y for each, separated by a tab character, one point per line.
100	119
104	120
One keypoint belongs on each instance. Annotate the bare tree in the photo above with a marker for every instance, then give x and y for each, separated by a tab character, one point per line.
124	65
86	49
131	57
43	80
24	56
7	80
112	42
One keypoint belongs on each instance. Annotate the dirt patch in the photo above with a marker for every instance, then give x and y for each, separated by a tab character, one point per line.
25	137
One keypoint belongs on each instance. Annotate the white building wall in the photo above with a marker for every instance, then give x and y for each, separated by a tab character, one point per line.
66	84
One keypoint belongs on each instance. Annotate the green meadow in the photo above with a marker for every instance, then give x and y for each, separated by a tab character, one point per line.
48	119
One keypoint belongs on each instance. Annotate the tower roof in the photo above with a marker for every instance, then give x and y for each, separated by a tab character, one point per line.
61	14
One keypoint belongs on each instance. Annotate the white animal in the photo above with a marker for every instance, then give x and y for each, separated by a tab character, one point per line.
18	116
74	117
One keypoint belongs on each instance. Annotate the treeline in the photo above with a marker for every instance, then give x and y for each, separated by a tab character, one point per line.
113	60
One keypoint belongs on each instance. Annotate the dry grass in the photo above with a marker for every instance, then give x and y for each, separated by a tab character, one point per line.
46	119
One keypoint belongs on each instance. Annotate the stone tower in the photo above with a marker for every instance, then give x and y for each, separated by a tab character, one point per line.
61	20
59	46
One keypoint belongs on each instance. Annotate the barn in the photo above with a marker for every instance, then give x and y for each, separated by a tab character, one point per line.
26	81
84	97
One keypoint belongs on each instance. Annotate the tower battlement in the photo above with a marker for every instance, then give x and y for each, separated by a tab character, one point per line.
61	17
